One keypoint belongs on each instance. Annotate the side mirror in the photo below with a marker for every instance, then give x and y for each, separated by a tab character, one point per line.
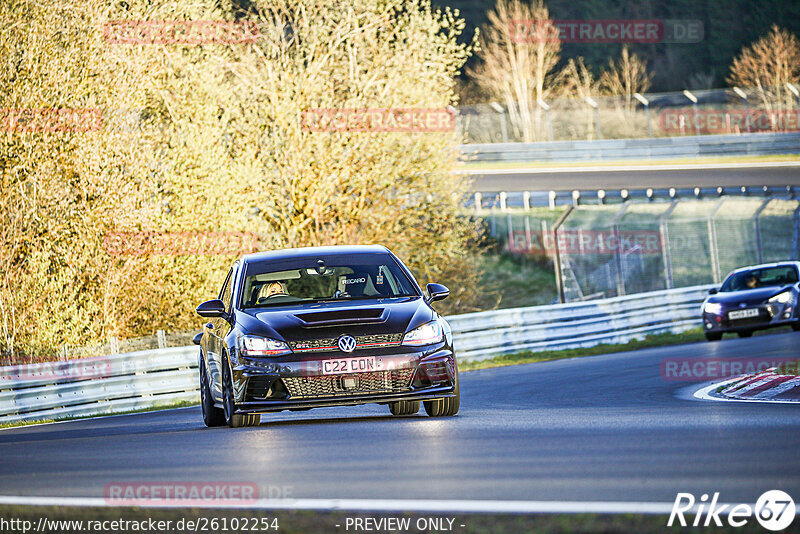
437	292
713	291
211	308
197	339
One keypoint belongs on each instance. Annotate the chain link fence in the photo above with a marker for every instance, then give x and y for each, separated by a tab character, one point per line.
713	111
607	250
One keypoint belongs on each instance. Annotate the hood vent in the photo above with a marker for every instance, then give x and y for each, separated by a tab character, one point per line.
345	316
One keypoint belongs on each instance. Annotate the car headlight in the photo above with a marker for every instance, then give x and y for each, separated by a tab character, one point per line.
262	346
782	298
714	308
426	334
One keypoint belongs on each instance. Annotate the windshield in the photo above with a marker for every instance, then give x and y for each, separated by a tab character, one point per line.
755	278
316	280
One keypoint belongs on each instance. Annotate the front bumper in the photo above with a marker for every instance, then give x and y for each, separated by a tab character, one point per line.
263	386
769	316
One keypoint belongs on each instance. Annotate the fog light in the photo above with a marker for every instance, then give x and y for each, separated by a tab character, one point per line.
709	325
787	314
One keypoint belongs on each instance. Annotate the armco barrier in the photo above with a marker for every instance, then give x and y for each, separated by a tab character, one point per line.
757	144
92	386
153	378
584	324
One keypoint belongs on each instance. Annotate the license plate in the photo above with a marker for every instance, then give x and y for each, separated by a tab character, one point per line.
341	366
743	314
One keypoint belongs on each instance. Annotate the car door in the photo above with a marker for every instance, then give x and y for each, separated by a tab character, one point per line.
216	328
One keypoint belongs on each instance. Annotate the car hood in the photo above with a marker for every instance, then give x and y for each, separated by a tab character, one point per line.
750	297
332	319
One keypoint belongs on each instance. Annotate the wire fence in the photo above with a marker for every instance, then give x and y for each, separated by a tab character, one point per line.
607	250
713	111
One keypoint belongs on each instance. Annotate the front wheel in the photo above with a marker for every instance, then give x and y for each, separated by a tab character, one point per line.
796	327
212	416
713	336
404	407
233	419
444	407
745	333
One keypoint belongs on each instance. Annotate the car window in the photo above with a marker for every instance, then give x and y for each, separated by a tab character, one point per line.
765	277
225	292
335	279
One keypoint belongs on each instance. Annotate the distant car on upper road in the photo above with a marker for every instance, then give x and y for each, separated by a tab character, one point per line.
754	298
324	326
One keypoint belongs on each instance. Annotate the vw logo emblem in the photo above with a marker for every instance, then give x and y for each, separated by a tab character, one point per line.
347	344
743	305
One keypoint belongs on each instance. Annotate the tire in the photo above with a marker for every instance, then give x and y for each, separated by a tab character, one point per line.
234	420
796	327
713	336
404	407
212	416
444	407
745	333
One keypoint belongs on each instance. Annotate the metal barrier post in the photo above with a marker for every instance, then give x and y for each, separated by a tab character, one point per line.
557	260
665	247
757	227
618	254
712	242
796	235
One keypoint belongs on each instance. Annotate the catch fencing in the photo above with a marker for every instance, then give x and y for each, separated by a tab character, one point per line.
162	377
654	115
755	144
648	243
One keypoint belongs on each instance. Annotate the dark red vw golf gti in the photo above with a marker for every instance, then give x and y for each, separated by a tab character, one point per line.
328	326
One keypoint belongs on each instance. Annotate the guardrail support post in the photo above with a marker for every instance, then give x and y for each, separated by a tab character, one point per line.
712	242
162	339
757	228
557	260
796	235
665	247
618	256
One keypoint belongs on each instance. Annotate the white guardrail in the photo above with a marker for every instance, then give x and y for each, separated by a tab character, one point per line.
153	378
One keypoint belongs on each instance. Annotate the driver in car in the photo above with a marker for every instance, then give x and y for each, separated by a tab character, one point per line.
751	282
270	289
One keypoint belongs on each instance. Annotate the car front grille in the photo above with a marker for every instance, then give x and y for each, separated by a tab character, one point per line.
362	342
340	385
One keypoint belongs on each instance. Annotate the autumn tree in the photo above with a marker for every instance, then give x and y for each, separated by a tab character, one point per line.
624	77
767	66
216	143
519	50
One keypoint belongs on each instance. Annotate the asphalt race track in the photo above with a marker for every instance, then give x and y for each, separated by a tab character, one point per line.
637	177
602	428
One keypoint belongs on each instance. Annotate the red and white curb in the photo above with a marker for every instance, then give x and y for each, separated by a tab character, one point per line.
764	387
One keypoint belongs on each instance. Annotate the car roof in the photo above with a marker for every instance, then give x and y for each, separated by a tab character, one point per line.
767	265
314	252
